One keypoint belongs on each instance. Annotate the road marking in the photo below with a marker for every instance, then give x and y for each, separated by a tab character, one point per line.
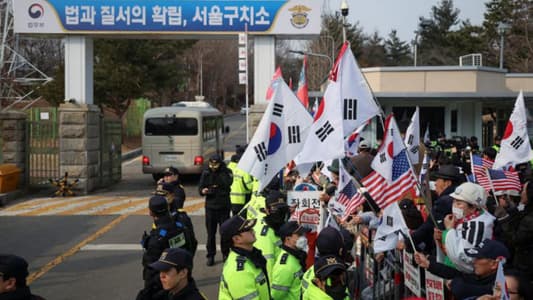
132	161
49	266
127	247
40	206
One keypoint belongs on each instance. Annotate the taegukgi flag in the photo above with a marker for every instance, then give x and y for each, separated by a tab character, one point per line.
347	104
515	147
279	136
412	137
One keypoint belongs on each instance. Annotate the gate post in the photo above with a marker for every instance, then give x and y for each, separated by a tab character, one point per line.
13	135
79	144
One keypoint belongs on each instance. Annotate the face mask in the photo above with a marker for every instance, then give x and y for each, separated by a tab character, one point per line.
277	218
457	213
301	243
520	207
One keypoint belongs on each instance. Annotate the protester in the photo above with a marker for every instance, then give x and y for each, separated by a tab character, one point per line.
290	265
175	272
244	275
486	257
517	288
13	273
467	226
362	161
215	185
316	177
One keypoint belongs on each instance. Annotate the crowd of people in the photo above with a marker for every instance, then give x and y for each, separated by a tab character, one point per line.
462	234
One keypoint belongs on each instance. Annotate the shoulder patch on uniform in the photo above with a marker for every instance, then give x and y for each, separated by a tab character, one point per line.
284	258
264	230
240	262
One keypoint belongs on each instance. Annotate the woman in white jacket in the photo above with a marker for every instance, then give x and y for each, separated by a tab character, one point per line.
467	226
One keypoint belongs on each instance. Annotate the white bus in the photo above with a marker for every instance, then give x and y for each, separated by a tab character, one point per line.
184	136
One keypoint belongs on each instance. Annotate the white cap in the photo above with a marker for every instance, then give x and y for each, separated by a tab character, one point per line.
470	193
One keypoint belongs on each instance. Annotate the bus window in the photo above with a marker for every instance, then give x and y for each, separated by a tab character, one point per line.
171	126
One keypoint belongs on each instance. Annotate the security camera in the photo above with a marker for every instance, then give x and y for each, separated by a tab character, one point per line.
344	8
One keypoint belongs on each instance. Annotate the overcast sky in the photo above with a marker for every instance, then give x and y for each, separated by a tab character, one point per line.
402	15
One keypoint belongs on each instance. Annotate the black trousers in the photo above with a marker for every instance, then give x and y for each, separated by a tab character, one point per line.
213	219
236	208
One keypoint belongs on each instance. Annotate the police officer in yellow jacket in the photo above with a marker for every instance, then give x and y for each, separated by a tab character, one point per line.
329	242
257	202
241	187
286	277
330	279
244	273
267	230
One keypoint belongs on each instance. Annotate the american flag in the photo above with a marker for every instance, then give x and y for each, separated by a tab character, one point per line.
350	198
402	181
501	180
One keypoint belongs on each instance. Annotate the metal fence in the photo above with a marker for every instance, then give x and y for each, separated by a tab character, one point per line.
42	149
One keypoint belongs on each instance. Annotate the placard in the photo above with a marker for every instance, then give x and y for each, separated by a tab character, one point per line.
434	287
411	273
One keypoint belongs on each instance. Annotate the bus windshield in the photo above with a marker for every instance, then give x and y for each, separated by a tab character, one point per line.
171	126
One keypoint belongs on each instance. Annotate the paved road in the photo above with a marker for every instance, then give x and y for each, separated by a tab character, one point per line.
88	247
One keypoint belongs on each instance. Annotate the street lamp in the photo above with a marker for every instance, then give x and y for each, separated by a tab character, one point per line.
502	28
330	60
423	23
344	12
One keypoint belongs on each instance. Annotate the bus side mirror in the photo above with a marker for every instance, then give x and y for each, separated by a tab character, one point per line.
226	129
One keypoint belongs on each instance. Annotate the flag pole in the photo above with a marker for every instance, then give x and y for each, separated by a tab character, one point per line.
492	187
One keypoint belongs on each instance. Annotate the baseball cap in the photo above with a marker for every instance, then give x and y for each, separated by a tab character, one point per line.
488	249
364	144
447	172
173	257
13	266
169	171
291	228
470	193
334	167
329	241
235	225
158	204
325	265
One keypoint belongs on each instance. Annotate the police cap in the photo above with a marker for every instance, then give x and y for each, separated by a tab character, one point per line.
158	204
234	226
276	199
291	228
327	264
329	241
173	257
169	171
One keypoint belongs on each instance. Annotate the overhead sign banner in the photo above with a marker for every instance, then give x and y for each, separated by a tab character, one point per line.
168	17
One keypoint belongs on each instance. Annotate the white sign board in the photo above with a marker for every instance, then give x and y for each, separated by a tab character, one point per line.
243	38
411	273
242	52
44	115
307	206
301	18
434	287
243	78
242	65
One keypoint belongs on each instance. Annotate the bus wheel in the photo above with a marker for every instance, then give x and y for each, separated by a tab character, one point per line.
157	176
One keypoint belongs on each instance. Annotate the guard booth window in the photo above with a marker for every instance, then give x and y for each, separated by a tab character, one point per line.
171	126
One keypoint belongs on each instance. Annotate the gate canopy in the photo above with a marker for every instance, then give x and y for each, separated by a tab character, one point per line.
297	18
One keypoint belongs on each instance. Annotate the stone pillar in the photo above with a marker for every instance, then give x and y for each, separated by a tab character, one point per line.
13	135
79	69
264	65
79	144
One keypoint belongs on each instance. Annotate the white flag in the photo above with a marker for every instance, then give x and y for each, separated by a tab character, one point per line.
426	135
412	137
500	278
515	147
392	145
392	222
279	136
351	142
347	104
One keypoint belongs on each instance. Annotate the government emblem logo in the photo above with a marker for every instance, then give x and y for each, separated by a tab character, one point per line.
299	16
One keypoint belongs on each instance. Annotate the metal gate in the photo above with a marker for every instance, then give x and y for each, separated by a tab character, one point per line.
111	152
42	149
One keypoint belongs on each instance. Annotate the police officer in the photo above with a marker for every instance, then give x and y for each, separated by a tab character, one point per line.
290	265
175	273
244	274
13	273
267	230
329	242
166	234
329	281
171	183
215	184
241	187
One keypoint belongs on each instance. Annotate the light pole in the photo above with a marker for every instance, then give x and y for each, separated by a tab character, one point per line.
344	12
423	23
502	28
317	55
332	45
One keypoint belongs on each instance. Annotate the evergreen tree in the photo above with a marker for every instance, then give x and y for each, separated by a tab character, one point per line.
374	52
398	52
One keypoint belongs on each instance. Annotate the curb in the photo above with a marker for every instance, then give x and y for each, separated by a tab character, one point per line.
10	196
132	154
